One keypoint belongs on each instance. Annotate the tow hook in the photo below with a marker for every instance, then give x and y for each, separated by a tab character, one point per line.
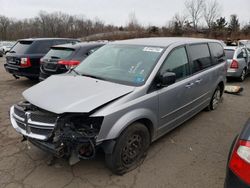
15	76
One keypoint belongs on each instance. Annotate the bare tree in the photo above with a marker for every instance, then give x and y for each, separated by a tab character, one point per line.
211	11
4	24
195	9
133	23
180	19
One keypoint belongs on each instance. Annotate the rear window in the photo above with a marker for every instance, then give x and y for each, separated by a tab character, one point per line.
59	53
21	47
41	47
229	54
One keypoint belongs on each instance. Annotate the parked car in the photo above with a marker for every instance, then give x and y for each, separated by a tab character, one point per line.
124	96
238	61
24	57
62	58
5	46
238	166
245	43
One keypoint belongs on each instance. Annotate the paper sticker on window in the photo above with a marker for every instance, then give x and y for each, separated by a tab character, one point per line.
152	49
139	79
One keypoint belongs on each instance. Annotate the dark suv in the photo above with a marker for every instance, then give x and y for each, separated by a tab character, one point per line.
61	58
23	58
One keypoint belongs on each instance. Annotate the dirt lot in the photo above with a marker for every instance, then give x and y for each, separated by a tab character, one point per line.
193	155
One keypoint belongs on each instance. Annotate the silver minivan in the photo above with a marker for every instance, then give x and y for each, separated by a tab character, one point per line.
122	98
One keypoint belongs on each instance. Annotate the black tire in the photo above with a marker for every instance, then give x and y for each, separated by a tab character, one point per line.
243	75
130	149
216	98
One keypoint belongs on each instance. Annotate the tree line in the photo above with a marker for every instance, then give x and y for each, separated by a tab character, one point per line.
200	18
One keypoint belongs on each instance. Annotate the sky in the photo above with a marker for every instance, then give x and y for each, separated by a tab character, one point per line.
116	12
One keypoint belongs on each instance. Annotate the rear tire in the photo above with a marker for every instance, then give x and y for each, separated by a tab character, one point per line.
215	99
243	75
130	149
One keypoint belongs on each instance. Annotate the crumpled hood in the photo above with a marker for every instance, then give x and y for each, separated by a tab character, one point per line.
68	93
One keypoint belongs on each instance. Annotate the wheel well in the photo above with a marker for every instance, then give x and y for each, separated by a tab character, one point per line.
149	125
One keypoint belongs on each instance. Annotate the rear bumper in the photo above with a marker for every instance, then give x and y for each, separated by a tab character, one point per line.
16	70
232	181
234	72
45	74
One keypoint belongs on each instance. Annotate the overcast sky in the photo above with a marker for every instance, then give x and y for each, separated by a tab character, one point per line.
154	12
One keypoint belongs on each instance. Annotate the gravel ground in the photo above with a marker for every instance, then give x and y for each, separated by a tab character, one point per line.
193	155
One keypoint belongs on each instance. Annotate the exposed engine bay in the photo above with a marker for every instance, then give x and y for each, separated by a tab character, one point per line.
72	136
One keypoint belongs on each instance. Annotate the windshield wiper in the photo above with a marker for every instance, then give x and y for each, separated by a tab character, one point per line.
73	70
12	51
92	76
55	57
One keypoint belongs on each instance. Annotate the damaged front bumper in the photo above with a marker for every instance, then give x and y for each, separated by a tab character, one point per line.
61	135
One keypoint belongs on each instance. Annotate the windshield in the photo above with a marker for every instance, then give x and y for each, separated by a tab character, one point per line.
125	64
229	54
59	53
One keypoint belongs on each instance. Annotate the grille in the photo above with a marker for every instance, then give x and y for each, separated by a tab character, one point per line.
36	122
41	131
43	118
19	112
21	125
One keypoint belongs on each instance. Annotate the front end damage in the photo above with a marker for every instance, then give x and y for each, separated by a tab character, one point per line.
68	135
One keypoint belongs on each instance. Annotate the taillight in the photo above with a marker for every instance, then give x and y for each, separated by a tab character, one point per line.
234	64
69	63
41	61
240	161
25	62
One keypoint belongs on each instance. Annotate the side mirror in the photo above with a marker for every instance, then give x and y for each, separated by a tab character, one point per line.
166	79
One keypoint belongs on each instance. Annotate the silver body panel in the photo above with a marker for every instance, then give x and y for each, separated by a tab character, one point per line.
121	105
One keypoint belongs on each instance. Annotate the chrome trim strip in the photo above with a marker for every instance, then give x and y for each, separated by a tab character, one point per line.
40	123
18	117
185	105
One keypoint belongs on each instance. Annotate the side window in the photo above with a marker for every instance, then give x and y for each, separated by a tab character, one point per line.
217	52
200	57
240	55
176	62
91	51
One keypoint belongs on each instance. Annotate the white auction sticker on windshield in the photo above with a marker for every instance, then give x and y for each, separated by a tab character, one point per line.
152	49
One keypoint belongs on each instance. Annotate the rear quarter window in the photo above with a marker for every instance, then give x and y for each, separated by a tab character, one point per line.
217	52
201	58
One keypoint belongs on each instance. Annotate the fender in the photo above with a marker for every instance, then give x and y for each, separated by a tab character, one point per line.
132	116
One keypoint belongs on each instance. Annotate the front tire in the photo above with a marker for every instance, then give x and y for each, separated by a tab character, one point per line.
130	149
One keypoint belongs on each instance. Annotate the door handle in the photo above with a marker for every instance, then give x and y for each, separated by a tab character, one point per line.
198	81
189	85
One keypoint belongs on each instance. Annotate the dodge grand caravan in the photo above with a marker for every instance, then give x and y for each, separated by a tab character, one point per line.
123	97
